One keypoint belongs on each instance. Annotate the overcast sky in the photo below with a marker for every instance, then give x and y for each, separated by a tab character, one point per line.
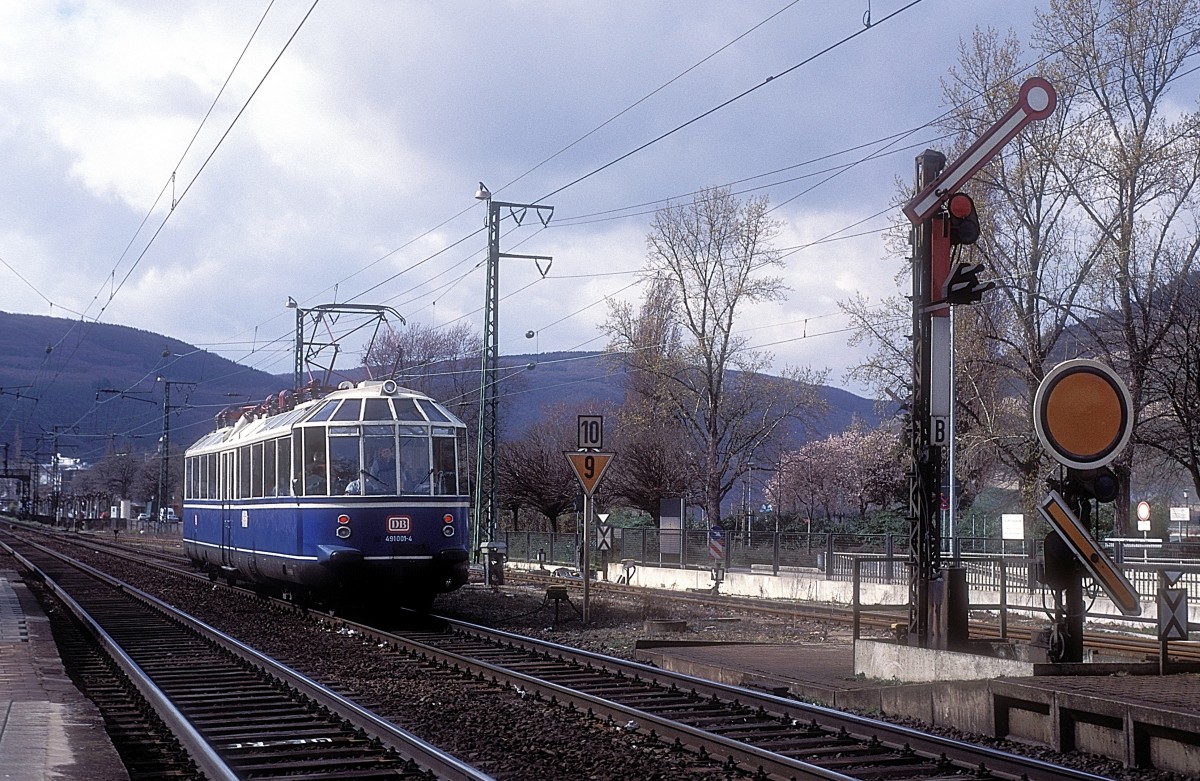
350	173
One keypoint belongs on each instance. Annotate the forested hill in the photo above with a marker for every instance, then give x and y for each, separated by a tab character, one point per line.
57	374
587	383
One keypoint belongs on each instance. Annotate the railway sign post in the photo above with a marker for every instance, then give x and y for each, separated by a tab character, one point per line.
1082	415
604	541
589	468
1172	614
716	543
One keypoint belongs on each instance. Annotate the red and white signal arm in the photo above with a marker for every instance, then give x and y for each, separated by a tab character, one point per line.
1103	569
1082	414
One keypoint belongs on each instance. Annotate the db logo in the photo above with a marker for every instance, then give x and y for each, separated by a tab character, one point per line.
399	524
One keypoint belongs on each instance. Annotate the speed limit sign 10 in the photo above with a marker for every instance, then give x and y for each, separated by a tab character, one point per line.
591	432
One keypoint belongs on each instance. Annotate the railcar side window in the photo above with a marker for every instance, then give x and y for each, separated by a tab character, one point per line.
432	412
268	469
313	458
243	481
349	410
445	469
324	412
283	467
256	469
345	464
450	416
209	491
226	479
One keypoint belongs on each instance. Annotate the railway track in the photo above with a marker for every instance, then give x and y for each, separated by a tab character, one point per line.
180	697
1133	646
748	731
760	733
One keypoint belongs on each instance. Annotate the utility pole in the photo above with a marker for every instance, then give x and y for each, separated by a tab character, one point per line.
486	442
162	497
925	469
942	218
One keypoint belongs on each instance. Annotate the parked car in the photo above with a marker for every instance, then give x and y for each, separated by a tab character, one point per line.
143	517
168	515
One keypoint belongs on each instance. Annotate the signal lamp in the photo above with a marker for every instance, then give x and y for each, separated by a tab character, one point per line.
964	221
1100	484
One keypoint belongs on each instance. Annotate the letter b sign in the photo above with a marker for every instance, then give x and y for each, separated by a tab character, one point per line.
939	430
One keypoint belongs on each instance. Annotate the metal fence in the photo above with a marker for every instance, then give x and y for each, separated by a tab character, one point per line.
990	564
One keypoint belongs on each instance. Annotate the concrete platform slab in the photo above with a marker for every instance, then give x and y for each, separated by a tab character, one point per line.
1146	721
48	729
813	671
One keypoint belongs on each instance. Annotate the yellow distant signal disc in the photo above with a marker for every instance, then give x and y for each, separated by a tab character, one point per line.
1081	414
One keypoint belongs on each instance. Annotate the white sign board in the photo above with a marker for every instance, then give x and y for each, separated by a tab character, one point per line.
1012	526
1181	513
1144	526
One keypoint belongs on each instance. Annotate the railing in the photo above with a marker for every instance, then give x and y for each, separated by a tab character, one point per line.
990	564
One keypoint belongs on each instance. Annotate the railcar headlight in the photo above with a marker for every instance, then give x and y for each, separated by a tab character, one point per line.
447	531
343	532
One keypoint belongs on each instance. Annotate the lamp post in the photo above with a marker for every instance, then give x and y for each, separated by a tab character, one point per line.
485	461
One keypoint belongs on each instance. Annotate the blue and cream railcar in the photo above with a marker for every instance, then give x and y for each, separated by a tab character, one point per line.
358	494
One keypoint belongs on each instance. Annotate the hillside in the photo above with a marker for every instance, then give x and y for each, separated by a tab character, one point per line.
588	383
56	376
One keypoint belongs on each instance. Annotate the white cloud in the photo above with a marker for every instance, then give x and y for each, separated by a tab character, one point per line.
379	120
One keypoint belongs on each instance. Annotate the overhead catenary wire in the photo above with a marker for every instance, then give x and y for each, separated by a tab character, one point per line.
547	326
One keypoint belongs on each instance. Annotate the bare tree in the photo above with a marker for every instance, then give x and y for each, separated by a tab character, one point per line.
442	362
533	472
1171	417
119	475
650	437
1134	165
654	462
712	259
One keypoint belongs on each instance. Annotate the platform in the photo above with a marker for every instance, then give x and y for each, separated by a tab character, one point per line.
1147	721
48	729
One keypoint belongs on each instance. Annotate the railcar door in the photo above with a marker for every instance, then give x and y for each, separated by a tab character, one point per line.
227	510
226	535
